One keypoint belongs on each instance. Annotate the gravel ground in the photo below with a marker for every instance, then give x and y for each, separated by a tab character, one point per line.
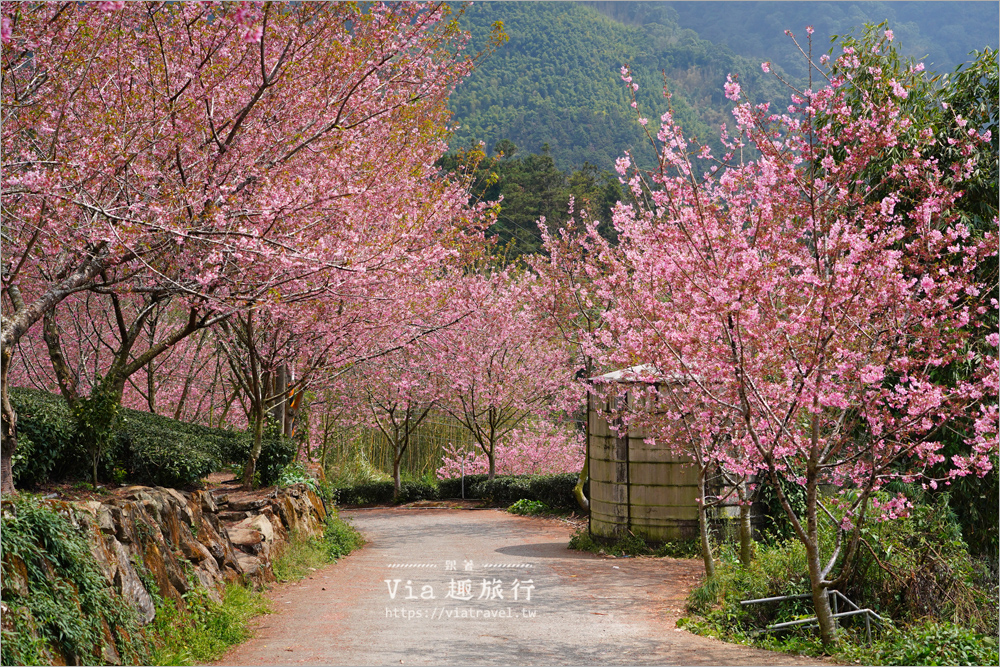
375	607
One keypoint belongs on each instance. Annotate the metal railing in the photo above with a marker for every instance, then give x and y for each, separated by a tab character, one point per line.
836	596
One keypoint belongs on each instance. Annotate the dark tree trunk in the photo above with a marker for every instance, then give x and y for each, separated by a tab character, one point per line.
258	439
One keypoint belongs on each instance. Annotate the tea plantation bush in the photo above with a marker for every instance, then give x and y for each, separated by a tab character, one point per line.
45	438
146	448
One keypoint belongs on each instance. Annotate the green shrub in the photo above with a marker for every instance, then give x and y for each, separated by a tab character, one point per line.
339	537
46	445
919	566
452	488
151	454
529	507
68	601
412	491
145	448
556	491
296	473
303	554
371	493
276	452
503	491
914	571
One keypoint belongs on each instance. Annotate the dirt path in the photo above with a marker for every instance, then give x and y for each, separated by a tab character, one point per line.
583	609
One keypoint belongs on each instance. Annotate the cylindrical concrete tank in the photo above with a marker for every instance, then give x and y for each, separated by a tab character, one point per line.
635	486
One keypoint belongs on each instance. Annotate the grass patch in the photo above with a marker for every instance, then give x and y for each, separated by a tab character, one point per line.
206	629
631	545
304	553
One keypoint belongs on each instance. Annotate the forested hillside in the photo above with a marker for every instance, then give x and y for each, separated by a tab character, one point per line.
939	33
557	81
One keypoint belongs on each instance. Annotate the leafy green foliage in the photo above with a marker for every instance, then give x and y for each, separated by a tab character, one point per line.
46	447
206	628
367	493
96	417
531	188
556	491
914	571
452	488
296	473
930	643
526	507
276	453
919	566
774	522
340	538
154	455
69	608
143	447
412	491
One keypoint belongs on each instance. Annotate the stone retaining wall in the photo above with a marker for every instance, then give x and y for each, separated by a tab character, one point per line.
188	540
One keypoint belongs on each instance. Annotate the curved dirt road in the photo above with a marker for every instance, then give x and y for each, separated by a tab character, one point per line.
582	609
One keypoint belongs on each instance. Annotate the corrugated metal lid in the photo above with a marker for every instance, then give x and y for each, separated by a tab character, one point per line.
643	373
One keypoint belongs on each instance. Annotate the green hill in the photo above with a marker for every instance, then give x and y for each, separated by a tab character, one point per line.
941	34
557	81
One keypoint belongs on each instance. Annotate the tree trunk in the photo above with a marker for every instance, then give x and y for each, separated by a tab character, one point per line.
8	429
396	462
150	388
746	528
258	438
493	463
581	498
280	409
706	544
821	600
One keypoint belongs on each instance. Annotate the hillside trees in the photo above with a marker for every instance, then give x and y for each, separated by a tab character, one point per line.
530	187
811	312
215	154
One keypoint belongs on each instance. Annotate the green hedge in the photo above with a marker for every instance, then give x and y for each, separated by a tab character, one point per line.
452	488
369	493
149	454
556	491
45	438
146	448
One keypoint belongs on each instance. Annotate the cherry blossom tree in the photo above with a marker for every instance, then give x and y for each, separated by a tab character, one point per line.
399	391
811	312
538	447
212	153
565	293
503	363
